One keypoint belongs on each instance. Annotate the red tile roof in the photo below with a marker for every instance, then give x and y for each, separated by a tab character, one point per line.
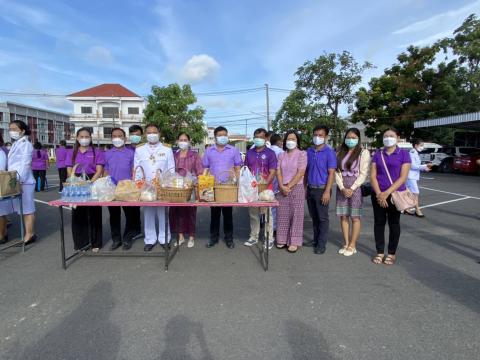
105	90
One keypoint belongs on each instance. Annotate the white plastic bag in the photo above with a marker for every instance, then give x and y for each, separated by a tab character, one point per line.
103	189
247	186
266	195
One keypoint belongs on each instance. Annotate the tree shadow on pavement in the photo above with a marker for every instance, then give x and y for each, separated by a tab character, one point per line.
306	342
179	332
86	333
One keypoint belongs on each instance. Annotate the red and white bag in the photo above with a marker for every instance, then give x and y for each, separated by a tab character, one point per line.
247	186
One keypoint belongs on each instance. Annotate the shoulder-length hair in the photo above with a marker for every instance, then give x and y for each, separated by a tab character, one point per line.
343	150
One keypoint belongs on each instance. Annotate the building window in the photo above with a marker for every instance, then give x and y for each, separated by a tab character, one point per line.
110	112
107	132
133	111
86	109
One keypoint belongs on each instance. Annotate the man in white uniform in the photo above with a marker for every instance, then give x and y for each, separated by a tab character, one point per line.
154	156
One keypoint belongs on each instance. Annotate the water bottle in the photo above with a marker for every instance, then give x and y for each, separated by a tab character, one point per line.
66	193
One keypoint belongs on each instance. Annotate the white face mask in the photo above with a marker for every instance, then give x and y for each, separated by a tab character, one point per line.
420	148
118	142
15	135
84	142
291	144
153	138
389	141
183	145
318	140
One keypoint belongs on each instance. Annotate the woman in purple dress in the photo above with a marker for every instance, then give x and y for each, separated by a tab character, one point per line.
39	166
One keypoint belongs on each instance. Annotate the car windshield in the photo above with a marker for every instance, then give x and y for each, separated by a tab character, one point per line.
468	151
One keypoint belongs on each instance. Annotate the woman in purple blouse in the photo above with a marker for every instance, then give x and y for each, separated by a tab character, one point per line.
86	220
39	166
397	162
183	219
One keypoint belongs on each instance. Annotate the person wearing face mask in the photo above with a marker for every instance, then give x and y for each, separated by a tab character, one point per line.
393	161
119	166
183	219
60	156
20	159
322	163
220	158
86	220
352	170
135	133
262	162
152	157
414	175
291	168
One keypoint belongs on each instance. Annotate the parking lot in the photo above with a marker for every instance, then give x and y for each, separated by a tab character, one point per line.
219	303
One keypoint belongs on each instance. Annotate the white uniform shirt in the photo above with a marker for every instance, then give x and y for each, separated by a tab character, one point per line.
20	160
152	158
3	160
416	167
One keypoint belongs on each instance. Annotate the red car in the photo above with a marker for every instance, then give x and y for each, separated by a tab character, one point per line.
468	164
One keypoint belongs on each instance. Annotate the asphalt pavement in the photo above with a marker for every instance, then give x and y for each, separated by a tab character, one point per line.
219	304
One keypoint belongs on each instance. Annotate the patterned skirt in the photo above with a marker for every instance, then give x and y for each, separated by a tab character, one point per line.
353	206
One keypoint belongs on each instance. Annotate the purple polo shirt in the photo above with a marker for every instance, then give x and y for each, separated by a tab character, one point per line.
39	162
261	162
87	160
319	162
61	156
119	163
220	161
394	163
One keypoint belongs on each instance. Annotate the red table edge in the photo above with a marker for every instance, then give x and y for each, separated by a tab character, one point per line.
58	203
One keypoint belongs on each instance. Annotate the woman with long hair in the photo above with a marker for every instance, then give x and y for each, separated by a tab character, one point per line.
39	166
352	171
20	160
388	173
86	220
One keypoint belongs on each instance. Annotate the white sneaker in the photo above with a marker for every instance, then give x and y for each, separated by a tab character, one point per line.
180	242
350	251
250	242
342	250
191	243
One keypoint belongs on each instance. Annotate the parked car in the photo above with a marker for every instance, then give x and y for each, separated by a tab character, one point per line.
429	148
467	163
442	159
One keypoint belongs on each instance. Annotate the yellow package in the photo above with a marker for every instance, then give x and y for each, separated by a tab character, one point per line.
205	187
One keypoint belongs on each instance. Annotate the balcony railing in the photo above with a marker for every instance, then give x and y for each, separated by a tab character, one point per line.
100	118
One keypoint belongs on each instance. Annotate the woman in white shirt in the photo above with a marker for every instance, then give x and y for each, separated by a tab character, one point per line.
20	160
3	167
414	174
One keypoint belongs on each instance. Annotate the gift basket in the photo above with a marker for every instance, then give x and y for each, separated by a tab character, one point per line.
173	187
103	189
130	190
77	188
226	187
206	183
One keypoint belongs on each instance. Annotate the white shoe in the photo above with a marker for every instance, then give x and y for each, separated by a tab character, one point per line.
180	242
342	250
350	251
191	243
250	242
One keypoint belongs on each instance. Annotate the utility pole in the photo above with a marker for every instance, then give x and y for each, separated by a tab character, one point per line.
268	107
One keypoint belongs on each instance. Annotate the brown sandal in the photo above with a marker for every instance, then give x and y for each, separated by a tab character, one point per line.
389	260
378	259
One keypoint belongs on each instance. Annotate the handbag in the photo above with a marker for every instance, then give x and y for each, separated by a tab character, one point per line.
366	189
402	200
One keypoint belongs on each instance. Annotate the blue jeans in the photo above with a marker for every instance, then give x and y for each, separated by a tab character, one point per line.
319	214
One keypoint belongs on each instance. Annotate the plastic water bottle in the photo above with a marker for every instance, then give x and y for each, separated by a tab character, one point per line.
66	193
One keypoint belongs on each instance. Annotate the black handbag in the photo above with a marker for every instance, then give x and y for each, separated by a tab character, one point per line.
366	189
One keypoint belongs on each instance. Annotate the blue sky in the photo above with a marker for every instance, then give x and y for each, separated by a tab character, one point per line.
64	46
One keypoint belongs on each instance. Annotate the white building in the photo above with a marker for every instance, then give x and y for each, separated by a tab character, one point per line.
104	107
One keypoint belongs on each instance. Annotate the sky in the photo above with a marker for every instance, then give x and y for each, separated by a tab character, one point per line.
60	47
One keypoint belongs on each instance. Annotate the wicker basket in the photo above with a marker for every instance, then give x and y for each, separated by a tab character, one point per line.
174	195
226	193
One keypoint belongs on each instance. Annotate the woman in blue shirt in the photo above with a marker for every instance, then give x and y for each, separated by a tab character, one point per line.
414	174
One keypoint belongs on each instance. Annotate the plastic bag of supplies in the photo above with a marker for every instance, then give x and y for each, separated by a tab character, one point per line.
103	189
247	186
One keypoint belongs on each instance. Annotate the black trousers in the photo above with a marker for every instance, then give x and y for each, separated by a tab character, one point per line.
215	213
319	215
381	216
87	226
42	175
62	174
131	224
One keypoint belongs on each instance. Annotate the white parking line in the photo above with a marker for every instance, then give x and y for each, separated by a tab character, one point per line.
445	202
427	178
450	193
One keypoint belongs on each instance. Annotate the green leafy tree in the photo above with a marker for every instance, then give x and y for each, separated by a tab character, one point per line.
170	108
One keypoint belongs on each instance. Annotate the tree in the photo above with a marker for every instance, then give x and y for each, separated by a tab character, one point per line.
330	81
297	113
169	108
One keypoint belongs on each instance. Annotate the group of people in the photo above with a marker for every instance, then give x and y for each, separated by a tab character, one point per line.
295	176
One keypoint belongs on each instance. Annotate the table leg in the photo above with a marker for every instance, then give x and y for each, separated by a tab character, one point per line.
62	239
263	240
22	224
167	243
268	238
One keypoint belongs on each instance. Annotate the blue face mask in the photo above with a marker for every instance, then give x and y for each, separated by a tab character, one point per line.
222	140
259	142
351	143
135	139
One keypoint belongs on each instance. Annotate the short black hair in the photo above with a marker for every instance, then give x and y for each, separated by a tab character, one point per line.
275	138
322	127
299	139
22	126
183	133
218	129
391	129
120	129
152	125
260	131
417	142
135	128
63	143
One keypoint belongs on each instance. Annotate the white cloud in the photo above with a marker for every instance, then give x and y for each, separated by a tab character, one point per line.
199	68
99	55
19	13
